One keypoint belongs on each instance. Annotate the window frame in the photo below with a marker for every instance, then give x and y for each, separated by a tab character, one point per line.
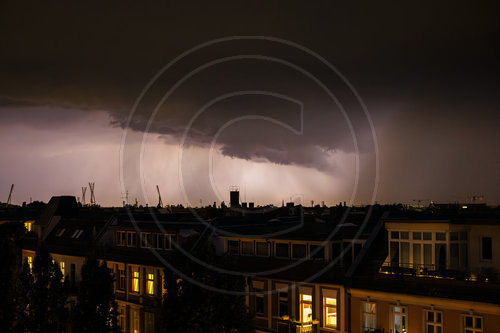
371	315
150	284
472	329
434	323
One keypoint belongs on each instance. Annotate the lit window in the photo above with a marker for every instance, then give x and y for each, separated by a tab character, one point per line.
135	281
30	263
27	225
330	312
305	308
369	316
399	319
61	266
473	324
433	322
150	285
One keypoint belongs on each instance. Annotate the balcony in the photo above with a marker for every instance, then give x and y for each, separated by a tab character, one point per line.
291	326
433	271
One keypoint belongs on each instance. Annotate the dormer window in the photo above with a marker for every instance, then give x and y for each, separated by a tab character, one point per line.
60	232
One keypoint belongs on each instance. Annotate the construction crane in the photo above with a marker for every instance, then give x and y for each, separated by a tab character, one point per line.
84	190
92	196
10	195
160	202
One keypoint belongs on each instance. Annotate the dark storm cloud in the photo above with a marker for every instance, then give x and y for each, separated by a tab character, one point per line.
407	60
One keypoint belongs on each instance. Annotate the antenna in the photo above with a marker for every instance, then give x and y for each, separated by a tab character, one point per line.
160	202
10	195
84	190
92	196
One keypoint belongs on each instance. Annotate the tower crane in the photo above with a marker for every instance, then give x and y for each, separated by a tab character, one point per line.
160	202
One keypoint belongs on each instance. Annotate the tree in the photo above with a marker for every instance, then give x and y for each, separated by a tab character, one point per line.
42	296
10	257
189	307
96	309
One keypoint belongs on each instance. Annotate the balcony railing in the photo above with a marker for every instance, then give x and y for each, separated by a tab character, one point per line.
291	326
435	271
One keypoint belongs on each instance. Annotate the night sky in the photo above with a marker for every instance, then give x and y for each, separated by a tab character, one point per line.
427	74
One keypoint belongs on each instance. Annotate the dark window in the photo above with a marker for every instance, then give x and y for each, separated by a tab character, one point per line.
357	249
317	252
121	281
234	247
427	235
282	250
247	248
336	251
487	248
405	235
394	234
261	249
299	251
441	236
259	304
283	304
72	273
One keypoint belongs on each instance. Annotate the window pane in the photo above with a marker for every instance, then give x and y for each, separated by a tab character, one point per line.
282	250
234	247
440	236
331	317
430	316
417	235
479	323
405	235
440	260
454	256
330	301
468	321
487	248
394	234
427	235
453	236
261	249
247	248
405	253
299	251
317	252
417	257
428	255
395	253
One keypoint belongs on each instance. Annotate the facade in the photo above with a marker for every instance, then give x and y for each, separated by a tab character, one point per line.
309	273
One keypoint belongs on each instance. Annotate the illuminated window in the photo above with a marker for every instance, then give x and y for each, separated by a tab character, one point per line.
30	263
62	266
150	284
399	319
433	322
369	316
473	324
305	308
135	281
330	312
27	225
